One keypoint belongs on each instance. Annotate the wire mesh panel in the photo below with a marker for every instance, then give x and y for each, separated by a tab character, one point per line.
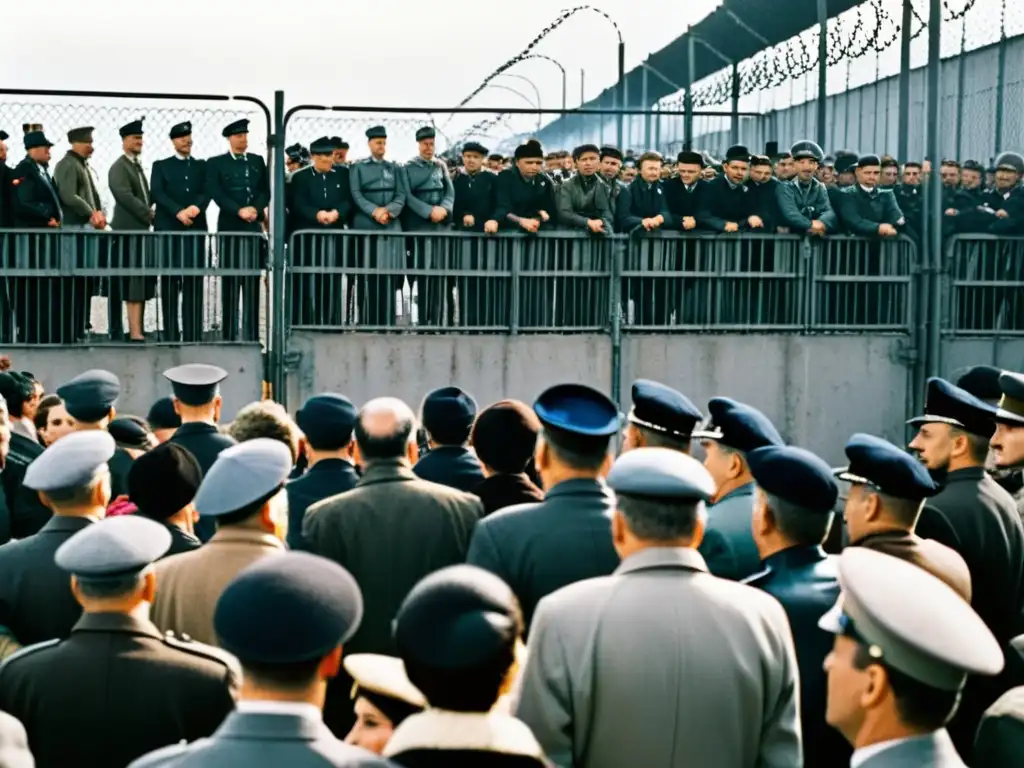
983	286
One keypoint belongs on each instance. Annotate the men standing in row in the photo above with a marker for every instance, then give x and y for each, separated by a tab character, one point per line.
238	183
179	191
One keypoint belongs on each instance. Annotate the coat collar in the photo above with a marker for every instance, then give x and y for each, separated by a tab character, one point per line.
934	748
261	726
196	428
386	471
61	524
965	475
116	622
237	535
580	487
332	465
682	558
743	490
438	729
795	557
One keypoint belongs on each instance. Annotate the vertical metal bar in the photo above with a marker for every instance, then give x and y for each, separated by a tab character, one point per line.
278	335
734	120
620	91
565	91
903	131
616	293
822	70
961	72
582	117
688	98
657	127
1000	84
646	107
934	199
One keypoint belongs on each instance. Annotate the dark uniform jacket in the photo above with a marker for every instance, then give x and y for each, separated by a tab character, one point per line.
451	465
1011	201
205	442
5	196
862	212
176	184
441	739
1000	740
910	199
682	202
938	559
120	465
582	198
28	514
474	196
114	690
978	519
34	200
235	182
806	582
501	490
640	201
427	184
764	202
517	197
538	548
728	547
181	540
799	205
326	478
312	192
723	202
249	739
615	188
36	603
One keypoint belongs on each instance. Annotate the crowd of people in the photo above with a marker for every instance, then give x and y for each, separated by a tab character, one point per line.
464	586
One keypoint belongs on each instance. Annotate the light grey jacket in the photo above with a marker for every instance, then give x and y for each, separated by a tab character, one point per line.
662	664
935	750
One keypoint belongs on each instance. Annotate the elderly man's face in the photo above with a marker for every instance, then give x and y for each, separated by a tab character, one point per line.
132	144
472	161
378	147
1006	179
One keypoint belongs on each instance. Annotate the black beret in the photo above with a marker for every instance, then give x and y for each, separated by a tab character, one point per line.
164	481
448	414
846	163
474	146
529	149
504	436
583	149
327	421
235	128
426	132
608	151
455	618
181	129
322	146
4	135
794	475
690	158
949	404
134	128
287	609
162	415
131	432
982	381
868	161
737	152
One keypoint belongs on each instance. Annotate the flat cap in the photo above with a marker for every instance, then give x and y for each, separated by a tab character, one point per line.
738	426
663	409
195	383
474	146
794	475
71	462
322	146
609	151
131	432
911	621
530	149
426	132
948	404
737	152
327	421
447	414
846	163
113	548
242	475
287	609
457	617
34	139
179	130
982	381
235	128
661	473
686	157
383	675
90	395
162	414
164	481
879	463
1011	404
376	132
84	133
504	436
134	128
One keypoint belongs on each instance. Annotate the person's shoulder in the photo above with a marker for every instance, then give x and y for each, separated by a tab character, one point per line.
207	657
30	655
183	562
746	600
169	756
443	492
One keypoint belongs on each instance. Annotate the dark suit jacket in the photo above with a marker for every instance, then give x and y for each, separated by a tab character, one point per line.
36	603
806	582
248	739
580	200
234	183
764	203
1000	740
475	196
116	689
682	203
205	442
451	465
28	514
77	189
33	201
521	198
324	479
721	203
312	192
500	491
862	213
175	185
640	201
538	548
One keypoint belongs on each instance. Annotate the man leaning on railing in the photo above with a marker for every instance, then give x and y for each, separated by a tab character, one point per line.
803	203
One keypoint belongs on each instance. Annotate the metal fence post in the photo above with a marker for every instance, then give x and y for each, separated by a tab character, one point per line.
279	333
688	97
903	124
619	249
822	71
933	217
1000	83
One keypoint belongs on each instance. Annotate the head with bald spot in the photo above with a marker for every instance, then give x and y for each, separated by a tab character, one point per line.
386	430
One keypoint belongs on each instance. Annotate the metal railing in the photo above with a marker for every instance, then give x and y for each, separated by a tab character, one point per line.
69	287
566	282
982	286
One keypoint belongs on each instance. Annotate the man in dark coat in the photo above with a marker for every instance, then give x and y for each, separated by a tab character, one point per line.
867	210
326	422
162	484
238	183
5	183
447	415
764	188
117	688
538	548
978	519
473	211
26	514
726	203
611	164
197	400
504	437
179	191
390	531
683	192
792	515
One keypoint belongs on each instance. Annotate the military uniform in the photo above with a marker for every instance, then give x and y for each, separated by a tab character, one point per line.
800	204
235	182
178	183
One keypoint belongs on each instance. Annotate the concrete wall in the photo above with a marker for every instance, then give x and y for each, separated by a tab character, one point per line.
818	389
140	366
1006	353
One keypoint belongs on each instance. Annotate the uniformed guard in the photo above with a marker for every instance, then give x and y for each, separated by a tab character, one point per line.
238	182
661	417
447	415
804	202
570	527
179	190
163	419
383	698
379	192
982	381
198	402
1008	441
458	632
732	430
117	688
887	488
162	484
327	421
904	646
868	210
793	512
286	620
293	158
73	480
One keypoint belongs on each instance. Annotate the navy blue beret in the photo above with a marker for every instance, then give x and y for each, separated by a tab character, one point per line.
738	426
325	145
286	609
948	404
457	617
134	128
661	473
327	421
894	472
162	415
164	481
235	128
794	475
132	432
663	409
181	129
448	410
982	381
89	396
